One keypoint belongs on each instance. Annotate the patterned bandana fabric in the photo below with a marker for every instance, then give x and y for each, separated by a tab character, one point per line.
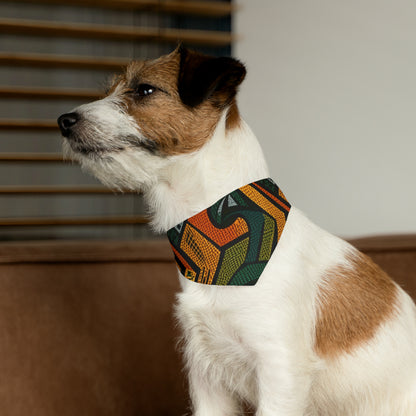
231	242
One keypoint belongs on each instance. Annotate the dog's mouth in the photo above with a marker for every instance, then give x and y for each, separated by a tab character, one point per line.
80	146
86	139
88	148
81	137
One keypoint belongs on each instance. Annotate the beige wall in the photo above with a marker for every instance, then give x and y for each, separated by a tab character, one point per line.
331	94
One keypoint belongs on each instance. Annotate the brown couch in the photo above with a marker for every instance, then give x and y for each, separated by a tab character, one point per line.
86	328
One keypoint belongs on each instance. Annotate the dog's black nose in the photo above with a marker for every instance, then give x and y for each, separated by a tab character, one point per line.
66	122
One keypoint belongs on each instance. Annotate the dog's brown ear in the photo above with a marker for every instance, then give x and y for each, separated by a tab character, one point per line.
202	77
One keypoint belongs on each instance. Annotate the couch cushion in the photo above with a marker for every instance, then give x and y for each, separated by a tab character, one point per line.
396	254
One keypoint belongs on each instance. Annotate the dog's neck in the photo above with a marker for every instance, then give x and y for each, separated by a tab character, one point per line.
190	183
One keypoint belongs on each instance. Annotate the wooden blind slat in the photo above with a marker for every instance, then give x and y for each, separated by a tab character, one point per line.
54	61
77	30
201	8
55	190
71	221
43	125
48	93
32	157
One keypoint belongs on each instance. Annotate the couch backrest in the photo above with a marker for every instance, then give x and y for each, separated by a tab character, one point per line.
87	329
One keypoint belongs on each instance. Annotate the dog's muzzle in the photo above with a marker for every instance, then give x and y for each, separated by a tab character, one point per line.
67	122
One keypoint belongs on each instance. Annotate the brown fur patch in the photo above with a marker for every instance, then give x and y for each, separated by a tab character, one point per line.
354	301
164	120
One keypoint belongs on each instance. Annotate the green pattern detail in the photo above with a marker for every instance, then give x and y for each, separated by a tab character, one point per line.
247	274
267	184
215	211
255	224
239	199
234	257
268	236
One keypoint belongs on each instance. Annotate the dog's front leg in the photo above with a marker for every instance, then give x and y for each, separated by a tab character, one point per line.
283	386
209	399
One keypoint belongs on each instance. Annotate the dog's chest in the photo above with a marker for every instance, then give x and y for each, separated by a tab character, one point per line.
214	343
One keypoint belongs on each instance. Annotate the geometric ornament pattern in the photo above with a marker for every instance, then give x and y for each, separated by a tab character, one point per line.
231	242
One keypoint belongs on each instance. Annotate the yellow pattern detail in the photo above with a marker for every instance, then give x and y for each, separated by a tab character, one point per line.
233	258
267	240
203	253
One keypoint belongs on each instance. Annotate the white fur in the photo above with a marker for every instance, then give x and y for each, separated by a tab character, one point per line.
257	343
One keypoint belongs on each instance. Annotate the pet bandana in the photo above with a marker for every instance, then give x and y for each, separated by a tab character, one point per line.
231	242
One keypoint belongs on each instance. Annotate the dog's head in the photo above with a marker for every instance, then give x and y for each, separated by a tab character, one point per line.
155	110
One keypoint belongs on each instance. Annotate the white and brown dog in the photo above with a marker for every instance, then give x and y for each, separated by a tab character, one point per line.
324	331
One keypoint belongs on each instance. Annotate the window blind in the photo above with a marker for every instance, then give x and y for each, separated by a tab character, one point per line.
56	55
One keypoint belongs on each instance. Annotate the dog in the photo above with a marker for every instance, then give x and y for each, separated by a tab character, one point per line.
320	330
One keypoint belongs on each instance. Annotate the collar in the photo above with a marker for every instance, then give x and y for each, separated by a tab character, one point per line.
230	242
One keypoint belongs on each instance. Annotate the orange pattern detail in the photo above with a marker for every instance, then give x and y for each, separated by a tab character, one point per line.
218	235
183	261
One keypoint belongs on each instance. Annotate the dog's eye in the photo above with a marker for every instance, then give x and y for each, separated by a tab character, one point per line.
143	90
